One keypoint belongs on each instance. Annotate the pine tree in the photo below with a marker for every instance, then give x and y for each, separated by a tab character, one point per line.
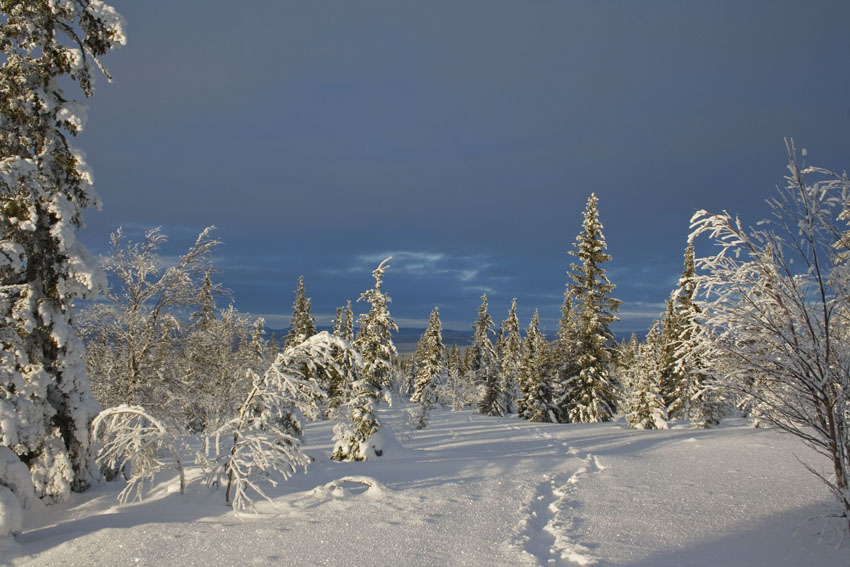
301	325
591	392
483	364
537	401
430	370
510	360
45	184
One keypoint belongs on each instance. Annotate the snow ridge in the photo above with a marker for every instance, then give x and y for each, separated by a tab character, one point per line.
551	518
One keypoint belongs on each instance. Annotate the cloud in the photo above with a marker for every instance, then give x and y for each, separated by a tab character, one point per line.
463	268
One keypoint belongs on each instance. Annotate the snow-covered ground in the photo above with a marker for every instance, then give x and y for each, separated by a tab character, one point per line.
475	490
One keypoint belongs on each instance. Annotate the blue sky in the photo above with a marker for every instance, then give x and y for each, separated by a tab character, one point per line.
462	137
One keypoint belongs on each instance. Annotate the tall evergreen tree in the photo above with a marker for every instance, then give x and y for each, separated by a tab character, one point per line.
430	369
645	407
355	436
563	355
342	381
671	382
591	392
45	184
510	360
537	401
302	326
696	395
374	340
483	363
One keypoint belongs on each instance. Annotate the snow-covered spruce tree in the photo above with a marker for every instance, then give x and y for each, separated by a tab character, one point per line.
45	396
301	325
483	364
510	359
645	408
774	308
537	402
672	385
591	392
563	355
134	332
355	433
342	381
698	395
374	339
430	370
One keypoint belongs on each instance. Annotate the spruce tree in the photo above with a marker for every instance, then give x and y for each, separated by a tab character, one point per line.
698	395
430	369
45	396
374	339
645	407
510	360
563	356
302	326
537	401
671	382
591	392
483	363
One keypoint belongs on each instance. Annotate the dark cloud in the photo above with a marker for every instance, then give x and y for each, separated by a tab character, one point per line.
464	137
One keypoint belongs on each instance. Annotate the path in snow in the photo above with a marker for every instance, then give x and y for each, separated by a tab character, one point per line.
474	490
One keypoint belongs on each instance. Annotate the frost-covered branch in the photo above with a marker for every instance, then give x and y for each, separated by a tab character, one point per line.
130	437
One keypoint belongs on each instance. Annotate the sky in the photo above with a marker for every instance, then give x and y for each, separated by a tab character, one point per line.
461	137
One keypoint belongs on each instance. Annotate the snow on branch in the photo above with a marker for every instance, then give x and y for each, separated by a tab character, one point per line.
130	436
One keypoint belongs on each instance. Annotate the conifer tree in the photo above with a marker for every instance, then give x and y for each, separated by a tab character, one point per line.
301	325
483	364
430	370
672	385
460	391
374	339
645	408
563	356
702	396
341	385
355	433
591	392
510	360
45	184
537	401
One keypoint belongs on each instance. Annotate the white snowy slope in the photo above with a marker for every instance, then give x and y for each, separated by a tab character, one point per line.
474	490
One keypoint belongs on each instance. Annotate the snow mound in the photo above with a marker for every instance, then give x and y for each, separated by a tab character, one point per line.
352	485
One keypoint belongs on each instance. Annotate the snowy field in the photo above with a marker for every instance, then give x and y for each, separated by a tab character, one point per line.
475	490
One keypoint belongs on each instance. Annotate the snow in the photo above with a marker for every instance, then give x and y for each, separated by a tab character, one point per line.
478	490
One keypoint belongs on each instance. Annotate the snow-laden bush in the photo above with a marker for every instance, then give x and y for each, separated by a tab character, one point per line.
133	440
775	313
266	434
